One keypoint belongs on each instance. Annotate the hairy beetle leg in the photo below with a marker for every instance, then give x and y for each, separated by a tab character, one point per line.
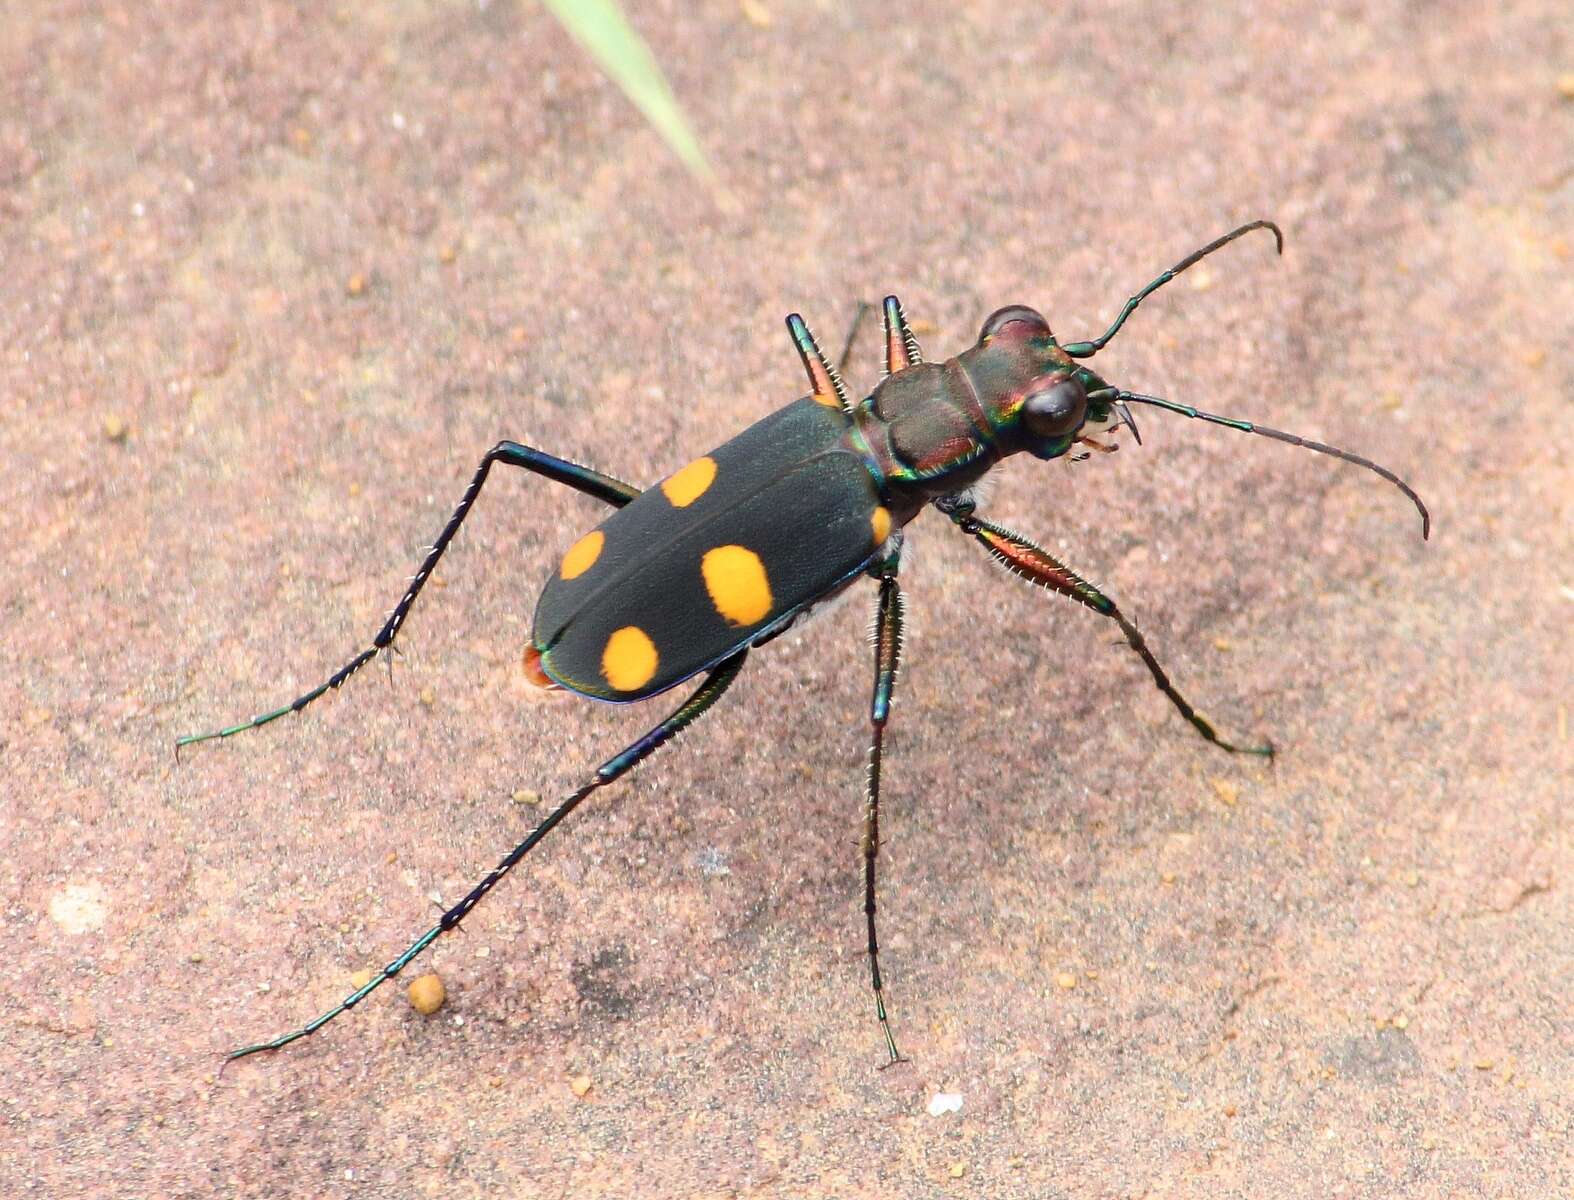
716	683
887	660
1035	564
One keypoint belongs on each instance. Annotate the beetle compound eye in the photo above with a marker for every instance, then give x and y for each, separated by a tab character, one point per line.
1033	322
1056	410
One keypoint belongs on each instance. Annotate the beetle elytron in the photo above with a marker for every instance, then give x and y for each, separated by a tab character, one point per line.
726	553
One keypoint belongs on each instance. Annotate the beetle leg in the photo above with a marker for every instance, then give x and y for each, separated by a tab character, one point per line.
901	347
1035	564
618	765
852	335
603	487
1101	447
824	379
887	659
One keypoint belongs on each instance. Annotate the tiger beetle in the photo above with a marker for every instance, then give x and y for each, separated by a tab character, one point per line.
728	552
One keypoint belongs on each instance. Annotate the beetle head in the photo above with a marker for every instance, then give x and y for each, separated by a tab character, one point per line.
1040	399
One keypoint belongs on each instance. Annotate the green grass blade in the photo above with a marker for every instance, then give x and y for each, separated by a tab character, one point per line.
602	29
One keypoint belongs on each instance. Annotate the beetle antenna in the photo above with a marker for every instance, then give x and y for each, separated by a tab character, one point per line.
1089	349
1278	435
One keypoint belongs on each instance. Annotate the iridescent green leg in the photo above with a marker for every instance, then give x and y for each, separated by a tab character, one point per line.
1089	349
603	487
1035	564
618	765
887	658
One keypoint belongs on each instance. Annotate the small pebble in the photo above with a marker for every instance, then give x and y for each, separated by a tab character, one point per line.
1227	792
958	1169
427	994
1222	645
580	1085
755	13
1484	1064
361	978
1535	356
1566	85
945	1102
195	956
116	429
526	796
428	697
1401	1022
448	253
1066	980
355	285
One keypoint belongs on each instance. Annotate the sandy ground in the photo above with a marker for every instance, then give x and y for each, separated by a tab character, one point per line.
276	275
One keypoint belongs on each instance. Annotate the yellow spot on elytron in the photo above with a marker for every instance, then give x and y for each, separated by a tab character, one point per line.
582	554
880	521
735	579
689	484
630	659
829	399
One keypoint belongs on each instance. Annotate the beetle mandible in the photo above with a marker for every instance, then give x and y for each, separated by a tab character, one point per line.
723	555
